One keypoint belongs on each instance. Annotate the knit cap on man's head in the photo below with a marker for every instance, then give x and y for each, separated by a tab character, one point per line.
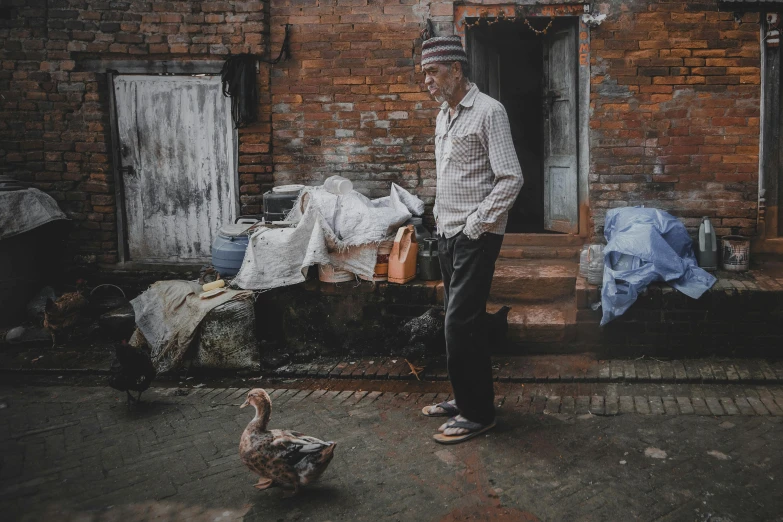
443	49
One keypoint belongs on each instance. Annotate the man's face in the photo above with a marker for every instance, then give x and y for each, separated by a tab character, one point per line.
441	80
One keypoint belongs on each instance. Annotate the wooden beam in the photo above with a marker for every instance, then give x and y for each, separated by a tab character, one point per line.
152	66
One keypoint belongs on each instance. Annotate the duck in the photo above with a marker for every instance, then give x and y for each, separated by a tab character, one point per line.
281	458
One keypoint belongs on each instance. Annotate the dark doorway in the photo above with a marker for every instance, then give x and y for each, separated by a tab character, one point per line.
508	63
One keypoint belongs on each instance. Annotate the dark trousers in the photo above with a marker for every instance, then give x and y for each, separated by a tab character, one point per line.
467	268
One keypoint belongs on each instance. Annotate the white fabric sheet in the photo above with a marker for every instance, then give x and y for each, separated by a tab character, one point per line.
342	231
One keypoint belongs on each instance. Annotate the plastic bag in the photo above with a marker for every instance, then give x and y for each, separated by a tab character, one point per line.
646	245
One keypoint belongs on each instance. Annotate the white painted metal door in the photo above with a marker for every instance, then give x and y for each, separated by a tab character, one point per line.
561	204
177	149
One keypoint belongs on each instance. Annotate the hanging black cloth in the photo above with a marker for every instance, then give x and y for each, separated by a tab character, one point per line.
240	84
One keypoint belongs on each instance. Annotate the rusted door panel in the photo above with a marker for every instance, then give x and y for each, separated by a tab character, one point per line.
178	159
561	208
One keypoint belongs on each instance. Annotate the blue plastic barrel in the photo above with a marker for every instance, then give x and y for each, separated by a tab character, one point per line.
228	249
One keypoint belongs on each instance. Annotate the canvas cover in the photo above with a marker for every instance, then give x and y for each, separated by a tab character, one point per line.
24	210
342	231
657	247
169	313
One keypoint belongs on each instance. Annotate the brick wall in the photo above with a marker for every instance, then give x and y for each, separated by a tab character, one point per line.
675	112
674	100
55	125
351	102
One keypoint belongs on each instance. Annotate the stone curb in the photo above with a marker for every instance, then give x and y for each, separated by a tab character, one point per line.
761	403
520	370
515	370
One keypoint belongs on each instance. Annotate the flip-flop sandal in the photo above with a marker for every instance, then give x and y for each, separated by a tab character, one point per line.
449	410
475	428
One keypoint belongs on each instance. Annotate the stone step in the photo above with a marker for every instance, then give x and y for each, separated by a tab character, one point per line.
586	294
518	280
552	240
540	323
539	252
570	368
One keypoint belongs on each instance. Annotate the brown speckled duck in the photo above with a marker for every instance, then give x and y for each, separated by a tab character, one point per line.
281	458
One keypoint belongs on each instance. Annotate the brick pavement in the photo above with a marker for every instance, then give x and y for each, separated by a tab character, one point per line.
560	452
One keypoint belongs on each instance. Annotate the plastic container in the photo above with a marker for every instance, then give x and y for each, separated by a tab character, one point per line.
624	262
228	248
595	267
583	261
402	260
338	185
288	189
735	253
381	272
707	253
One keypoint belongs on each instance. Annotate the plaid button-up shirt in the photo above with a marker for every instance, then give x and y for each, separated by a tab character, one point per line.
479	175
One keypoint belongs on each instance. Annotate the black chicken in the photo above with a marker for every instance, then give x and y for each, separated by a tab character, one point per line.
132	370
497	326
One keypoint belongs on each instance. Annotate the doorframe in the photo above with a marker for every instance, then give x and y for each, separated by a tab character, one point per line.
465	14
114	68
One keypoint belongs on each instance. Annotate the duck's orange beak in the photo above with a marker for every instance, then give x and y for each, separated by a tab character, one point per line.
247	401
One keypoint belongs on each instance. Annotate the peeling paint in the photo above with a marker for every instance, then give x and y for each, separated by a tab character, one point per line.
177	134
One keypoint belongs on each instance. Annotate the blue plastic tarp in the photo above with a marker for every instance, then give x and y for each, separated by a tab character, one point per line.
657	248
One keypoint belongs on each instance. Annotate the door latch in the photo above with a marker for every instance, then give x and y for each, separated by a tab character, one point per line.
129	170
551	96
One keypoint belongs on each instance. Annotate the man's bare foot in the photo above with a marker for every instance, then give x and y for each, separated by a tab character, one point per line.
444	409
453	431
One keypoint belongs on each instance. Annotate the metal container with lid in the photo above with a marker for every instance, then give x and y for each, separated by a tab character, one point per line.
277	205
429	262
228	248
736	253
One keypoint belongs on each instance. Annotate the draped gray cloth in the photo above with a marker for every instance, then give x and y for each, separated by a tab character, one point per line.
25	210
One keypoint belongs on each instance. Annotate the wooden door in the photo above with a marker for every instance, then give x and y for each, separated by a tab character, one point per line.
484	58
561	206
177	155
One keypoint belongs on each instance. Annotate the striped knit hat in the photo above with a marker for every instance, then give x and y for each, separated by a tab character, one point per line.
443	49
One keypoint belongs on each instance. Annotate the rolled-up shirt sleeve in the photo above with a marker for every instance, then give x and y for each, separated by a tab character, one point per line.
507	175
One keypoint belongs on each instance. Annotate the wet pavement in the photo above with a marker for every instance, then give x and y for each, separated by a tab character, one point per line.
562	451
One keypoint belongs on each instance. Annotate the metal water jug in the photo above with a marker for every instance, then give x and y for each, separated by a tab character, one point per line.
429	263
708	245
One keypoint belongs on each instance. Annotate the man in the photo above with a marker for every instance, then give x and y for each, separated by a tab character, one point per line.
479	178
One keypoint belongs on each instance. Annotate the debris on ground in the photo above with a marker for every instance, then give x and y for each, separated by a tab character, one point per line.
718	455
655	453
31	335
415	370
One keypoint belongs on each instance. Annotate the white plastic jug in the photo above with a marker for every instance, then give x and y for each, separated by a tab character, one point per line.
708	245
338	185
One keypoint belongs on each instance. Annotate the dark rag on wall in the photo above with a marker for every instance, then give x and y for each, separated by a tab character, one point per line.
239	83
